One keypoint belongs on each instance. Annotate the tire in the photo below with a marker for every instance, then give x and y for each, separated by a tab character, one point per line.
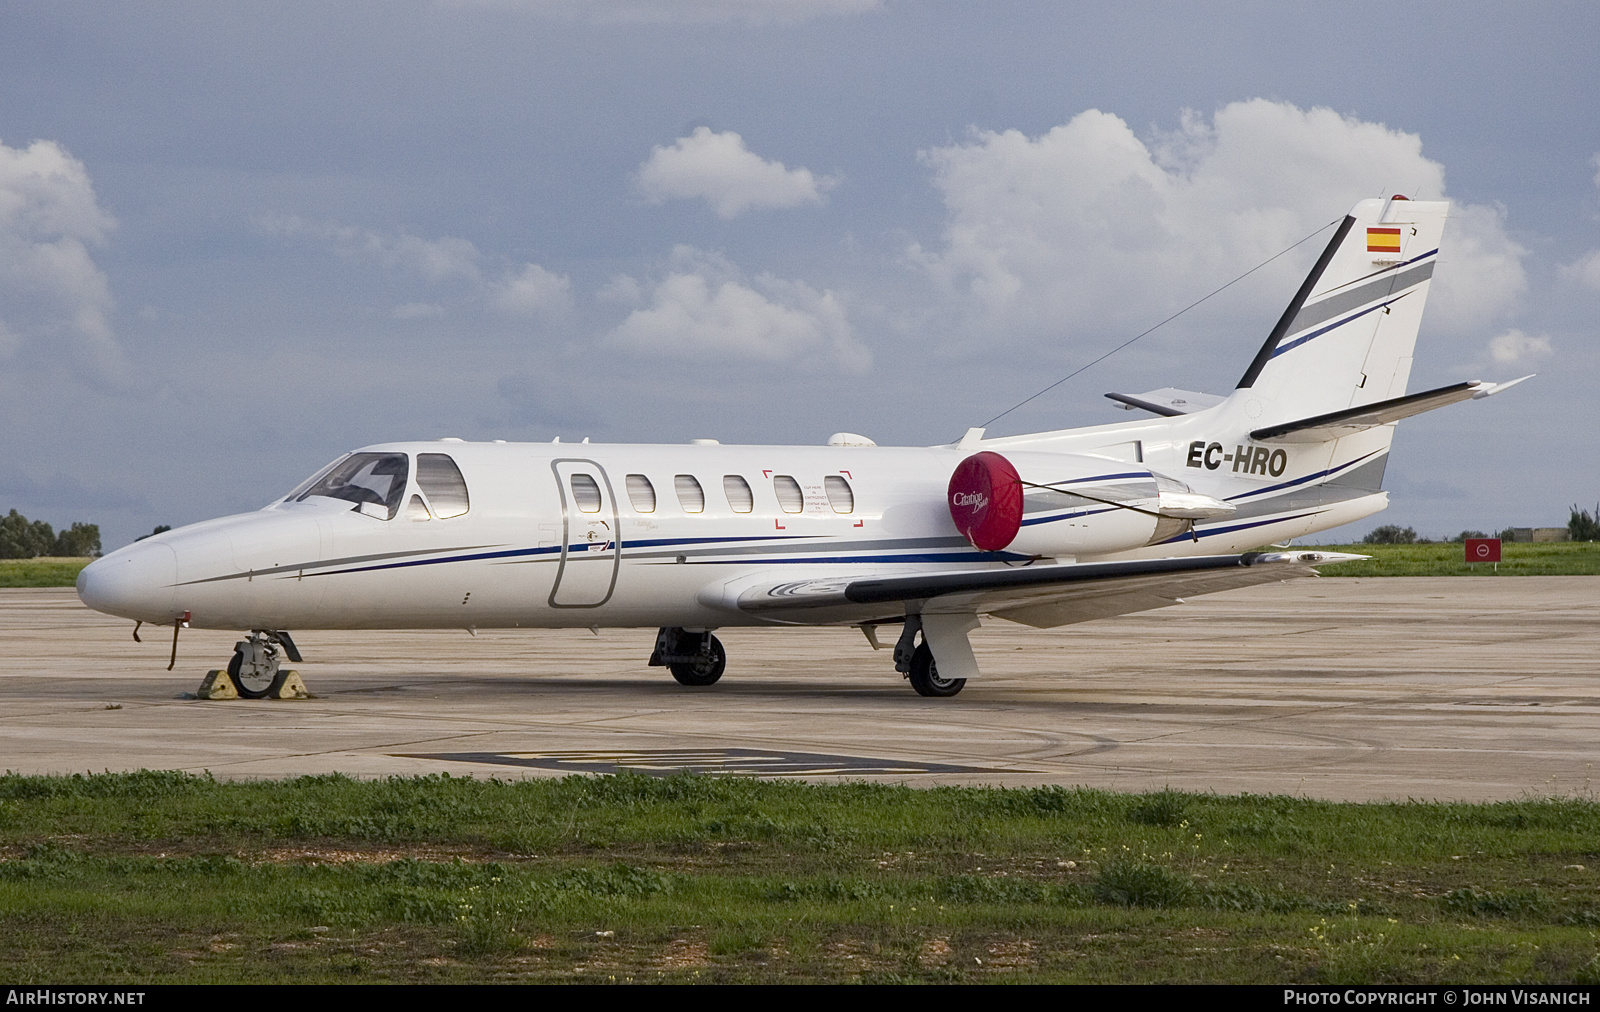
249	688
925	676
703	670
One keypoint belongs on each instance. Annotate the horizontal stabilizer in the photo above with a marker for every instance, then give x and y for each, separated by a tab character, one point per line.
1335	424
1167	401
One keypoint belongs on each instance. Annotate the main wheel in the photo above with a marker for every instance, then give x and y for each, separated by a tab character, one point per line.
925	676
704	669
253	685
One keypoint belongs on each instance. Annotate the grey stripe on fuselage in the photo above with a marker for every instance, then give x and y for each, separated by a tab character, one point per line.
1344	302
1365	480
350	560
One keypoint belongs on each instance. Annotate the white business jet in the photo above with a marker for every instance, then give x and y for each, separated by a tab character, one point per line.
1043	529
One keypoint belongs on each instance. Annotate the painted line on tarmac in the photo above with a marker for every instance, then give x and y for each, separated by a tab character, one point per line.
744	762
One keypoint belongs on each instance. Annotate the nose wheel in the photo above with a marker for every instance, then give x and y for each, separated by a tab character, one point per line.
694	658
256	661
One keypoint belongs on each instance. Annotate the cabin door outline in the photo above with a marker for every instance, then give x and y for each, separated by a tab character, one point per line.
591	543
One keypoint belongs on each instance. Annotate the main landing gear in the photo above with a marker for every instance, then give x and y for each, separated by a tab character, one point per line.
694	658
256	662
915	660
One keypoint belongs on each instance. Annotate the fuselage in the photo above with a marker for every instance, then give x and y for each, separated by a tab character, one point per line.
552	535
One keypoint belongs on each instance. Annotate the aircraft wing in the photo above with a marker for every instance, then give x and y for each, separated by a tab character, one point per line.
1042	595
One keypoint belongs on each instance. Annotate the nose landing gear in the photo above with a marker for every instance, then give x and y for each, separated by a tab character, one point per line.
256	664
694	658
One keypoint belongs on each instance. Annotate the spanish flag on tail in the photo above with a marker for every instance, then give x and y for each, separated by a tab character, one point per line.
1383	240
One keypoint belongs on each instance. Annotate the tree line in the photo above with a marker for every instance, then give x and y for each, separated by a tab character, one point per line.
21	538
1581	526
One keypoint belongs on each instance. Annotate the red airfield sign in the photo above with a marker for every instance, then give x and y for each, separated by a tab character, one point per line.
1483	549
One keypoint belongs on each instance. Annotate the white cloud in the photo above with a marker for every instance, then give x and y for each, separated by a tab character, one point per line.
54	300
683	11
621	289
1514	346
526	291
1086	228
718	168
531	292
435	260
704	308
1585	270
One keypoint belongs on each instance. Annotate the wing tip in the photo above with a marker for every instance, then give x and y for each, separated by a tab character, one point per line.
1301	558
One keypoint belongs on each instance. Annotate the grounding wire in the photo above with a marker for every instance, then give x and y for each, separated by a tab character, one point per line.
1163	323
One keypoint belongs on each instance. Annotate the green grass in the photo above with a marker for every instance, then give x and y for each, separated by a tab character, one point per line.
43	572
167	877
1559	558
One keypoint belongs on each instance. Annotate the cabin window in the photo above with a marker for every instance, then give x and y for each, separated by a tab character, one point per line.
416	509
740	498
441	481
788	491
690	494
586	493
641	493
375	482
840	497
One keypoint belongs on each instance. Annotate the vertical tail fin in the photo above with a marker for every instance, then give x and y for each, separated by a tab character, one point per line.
1346	338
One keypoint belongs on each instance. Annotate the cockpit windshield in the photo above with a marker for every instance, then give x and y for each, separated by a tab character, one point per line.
375	482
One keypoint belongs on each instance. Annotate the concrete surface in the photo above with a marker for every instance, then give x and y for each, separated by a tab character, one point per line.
1471	688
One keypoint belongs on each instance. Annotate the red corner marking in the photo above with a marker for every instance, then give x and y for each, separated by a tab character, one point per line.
779	526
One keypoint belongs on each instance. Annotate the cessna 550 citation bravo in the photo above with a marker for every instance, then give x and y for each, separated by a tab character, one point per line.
1044	529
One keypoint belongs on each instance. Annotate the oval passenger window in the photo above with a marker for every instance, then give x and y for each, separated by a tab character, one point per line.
839	495
690	494
740	498
641	493
586	493
790	499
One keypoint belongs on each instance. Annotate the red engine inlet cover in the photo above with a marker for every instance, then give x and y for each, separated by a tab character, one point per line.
986	500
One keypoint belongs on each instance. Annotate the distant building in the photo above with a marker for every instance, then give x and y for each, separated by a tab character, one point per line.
1540	534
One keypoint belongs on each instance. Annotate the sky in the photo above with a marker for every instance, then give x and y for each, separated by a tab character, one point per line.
237	240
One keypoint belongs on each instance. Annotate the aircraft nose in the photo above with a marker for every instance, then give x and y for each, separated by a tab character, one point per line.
137	582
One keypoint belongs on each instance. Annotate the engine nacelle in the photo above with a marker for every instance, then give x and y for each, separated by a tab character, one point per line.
1067	504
